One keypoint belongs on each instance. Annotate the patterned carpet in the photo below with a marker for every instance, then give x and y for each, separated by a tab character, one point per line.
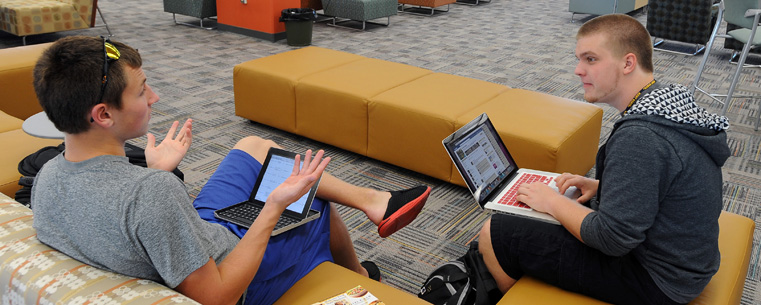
521	44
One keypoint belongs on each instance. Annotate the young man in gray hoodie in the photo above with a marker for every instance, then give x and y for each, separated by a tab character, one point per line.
645	230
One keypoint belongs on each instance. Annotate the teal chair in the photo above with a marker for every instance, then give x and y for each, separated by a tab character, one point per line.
745	14
359	10
200	9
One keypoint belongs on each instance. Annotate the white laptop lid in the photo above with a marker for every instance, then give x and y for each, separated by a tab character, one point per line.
481	158
489	170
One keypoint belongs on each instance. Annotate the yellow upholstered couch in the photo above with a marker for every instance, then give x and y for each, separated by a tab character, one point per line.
29	17
18	102
399	113
33	273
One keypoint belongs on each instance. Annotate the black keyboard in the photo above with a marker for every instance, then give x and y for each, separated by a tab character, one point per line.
245	213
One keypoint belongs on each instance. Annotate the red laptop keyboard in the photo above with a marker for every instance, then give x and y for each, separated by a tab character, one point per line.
509	197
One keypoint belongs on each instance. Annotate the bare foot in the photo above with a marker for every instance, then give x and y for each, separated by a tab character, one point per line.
378	206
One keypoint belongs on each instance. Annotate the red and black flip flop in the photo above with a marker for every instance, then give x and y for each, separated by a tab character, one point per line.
402	209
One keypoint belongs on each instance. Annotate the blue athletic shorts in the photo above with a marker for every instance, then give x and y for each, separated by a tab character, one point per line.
550	253
289	256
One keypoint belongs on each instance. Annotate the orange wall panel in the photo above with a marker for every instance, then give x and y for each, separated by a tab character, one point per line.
257	15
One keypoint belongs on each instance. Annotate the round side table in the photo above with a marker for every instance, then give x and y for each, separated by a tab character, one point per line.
40	126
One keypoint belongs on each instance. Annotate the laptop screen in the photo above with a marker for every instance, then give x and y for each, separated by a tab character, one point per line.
480	156
278	167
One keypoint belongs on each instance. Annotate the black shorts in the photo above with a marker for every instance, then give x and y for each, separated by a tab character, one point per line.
550	253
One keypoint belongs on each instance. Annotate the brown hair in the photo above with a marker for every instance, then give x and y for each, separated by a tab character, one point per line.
625	35
68	79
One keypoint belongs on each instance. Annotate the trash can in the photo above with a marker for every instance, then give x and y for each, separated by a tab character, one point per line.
298	25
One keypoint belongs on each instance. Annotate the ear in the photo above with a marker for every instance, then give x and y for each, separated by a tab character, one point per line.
630	63
99	114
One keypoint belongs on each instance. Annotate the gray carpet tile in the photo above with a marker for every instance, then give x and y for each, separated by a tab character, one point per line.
521	44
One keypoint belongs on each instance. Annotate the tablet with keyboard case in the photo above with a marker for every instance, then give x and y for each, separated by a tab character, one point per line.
276	168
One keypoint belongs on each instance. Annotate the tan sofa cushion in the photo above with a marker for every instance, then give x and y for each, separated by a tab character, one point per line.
265	87
329	101
17	145
725	288
8	122
17	91
407	123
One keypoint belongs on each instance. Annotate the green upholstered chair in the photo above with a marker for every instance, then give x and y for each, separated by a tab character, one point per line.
746	15
359	10
200	9
736	46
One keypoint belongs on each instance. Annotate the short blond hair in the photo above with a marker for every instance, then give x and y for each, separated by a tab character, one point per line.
625	35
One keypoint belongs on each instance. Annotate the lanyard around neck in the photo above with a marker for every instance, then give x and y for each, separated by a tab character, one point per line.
637	96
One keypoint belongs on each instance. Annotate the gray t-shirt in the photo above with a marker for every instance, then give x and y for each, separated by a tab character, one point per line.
125	218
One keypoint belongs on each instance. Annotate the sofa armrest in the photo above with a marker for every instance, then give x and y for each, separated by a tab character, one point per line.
33	273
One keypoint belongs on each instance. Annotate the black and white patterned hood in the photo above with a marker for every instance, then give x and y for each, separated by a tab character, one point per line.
676	103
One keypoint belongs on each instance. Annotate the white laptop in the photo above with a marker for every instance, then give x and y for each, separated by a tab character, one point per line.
491	173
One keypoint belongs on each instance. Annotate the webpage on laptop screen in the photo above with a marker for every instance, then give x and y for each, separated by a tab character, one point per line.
484	166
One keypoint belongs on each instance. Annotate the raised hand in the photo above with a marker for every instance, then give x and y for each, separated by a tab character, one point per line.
300	181
168	154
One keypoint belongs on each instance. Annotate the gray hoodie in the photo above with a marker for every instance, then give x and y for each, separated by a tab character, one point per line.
660	192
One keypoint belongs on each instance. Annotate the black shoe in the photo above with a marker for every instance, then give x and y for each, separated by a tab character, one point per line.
372	270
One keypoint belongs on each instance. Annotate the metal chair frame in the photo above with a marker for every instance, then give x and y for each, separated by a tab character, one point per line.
698	48
411	10
740	65
190	24
364	23
466	2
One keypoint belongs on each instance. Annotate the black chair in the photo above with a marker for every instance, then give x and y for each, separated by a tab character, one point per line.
687	21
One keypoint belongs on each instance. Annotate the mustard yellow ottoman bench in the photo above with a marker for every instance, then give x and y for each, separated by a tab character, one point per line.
407	123
725	288
16	85
265	88
329	101
399	114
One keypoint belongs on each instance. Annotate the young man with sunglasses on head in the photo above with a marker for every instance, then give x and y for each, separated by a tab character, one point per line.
92	204
645	231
